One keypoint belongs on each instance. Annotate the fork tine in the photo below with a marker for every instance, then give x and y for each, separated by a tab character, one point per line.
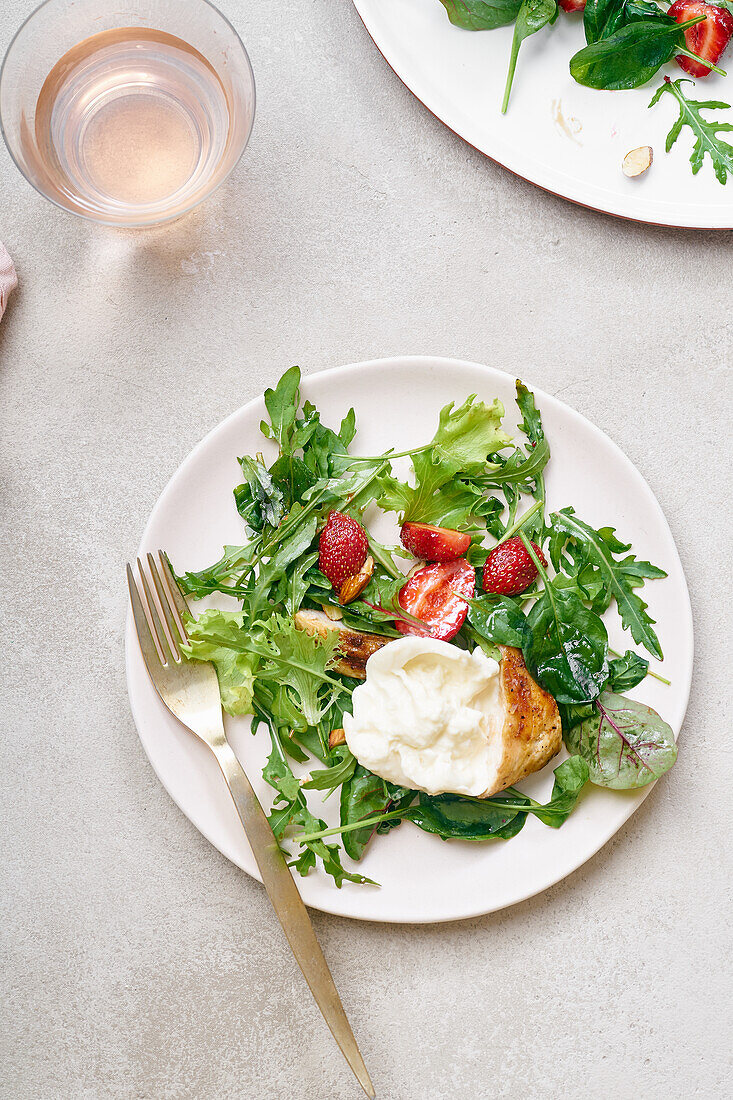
158	630
151	652
179	607
165	604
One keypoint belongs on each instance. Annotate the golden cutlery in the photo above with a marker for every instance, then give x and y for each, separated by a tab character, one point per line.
189	689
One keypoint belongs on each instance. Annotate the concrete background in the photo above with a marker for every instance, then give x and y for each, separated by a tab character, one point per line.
140	963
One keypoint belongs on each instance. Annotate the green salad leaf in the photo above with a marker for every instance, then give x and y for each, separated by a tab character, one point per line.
481	15
442	493
706	131
601	551
602	18
631	55
625	744
531	17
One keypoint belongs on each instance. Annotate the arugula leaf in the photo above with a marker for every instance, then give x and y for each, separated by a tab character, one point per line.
620	578
466	436
282	406
499	619
626	672
625	744
291	810
259	501
631	55
531	17
531	418
602	18
327	779
481	15
705	131
220	576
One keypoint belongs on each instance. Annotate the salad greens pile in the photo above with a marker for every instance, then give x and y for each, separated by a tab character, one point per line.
470	477
627	42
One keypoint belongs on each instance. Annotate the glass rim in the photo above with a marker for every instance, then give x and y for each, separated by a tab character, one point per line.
112	222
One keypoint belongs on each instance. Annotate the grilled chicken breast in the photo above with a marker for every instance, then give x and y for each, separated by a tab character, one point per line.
355	647
531	733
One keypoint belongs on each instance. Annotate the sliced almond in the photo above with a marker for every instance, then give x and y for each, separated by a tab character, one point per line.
354	586
336	737
334	613
415	569
637	161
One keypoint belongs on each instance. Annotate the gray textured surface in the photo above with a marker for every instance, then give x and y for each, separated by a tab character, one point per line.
141	964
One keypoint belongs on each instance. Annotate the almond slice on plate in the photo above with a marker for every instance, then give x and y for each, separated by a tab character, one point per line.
637	161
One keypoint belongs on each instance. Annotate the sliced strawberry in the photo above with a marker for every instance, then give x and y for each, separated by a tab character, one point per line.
509	568
437	596
434	543
707	39
572	5
342	548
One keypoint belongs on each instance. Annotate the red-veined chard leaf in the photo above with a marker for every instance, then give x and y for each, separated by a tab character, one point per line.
625	744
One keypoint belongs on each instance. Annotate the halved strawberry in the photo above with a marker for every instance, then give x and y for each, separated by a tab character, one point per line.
342	548
437	596
707	39
509	568
434	543
572	5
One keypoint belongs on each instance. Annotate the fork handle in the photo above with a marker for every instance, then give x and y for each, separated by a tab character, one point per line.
290	910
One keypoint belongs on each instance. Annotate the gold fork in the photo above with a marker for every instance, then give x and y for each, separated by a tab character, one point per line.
191	692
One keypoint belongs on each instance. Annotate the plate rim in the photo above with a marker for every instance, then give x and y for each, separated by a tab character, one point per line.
633	219
389	363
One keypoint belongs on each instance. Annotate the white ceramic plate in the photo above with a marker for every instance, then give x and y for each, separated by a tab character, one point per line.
397	403
566	138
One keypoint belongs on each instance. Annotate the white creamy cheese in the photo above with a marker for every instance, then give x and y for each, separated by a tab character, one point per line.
428	716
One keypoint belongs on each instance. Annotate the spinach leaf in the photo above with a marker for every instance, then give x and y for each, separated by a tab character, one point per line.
566	651
481	15
363	795
570	778
259	501
631	55
601	549
626	672
602	18
625	744
453	816
532	17
705	130
499	619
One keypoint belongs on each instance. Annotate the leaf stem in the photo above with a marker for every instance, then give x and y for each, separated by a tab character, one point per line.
703	61
518	524
306	838
648	671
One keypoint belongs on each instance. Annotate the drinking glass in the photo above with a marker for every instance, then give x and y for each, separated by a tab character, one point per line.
129	112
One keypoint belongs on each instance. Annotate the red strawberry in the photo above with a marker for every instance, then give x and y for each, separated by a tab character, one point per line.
707	39
342	549
572	5
509	568
434	543
437	596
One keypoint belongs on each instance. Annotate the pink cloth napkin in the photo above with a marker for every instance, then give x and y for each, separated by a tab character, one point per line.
8	278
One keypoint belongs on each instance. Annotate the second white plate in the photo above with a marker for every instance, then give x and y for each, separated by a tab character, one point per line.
566	138
422	877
